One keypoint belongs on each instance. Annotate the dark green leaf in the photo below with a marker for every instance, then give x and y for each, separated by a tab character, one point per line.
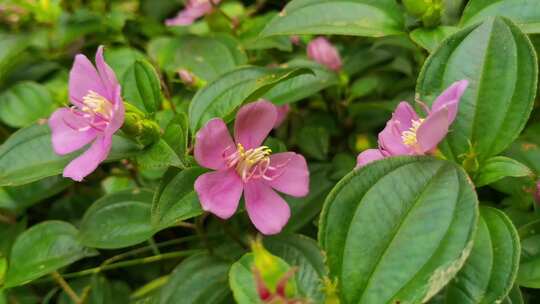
25	103
498	167
526	13
141	86
430	39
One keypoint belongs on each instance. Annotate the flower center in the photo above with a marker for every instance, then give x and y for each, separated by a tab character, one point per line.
95	104
96	112
409	137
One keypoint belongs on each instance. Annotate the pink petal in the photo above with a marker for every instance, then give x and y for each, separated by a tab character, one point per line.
253	123
368	156
390	139
65	139
107	75
193	11
405	115
323	52
266	209
219	192
83	78
432	130
450	99
212	144
85	164
291	175
119	113
282	112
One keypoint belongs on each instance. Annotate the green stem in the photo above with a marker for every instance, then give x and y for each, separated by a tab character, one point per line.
153	246
65	286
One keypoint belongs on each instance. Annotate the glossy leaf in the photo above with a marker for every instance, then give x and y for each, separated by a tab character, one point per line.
430	39
20	164
198	279
223	96
25	103
341	17
529	268
118	220
417	215
42	249
176	199
159	155
141	86
526	13
501	66
498	167
121	59
490	271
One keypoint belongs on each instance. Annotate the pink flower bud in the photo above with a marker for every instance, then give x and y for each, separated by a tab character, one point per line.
323	52
187	77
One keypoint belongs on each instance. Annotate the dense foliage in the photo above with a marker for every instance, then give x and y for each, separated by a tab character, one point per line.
144	151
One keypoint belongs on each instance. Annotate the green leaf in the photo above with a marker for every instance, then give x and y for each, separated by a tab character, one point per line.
342	17
302	252
102	291
12	53
206	57
526	13
121	59
501	66
529	268
20	164
314	141
24	196
302	86
249	35
490	271
42	249
242	279
176	135
430	39
223	96
498	167
118	220
159	155
25	103
514	297
415	214
198	279
176	199
141	86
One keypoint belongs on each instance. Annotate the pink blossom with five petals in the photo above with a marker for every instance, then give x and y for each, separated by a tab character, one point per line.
243	165
97	113
194	10
408	134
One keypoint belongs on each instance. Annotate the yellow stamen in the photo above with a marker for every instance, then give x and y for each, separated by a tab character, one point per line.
248	159
409	137
97	104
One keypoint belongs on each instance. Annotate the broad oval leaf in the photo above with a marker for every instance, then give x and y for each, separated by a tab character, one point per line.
198	279
25	103
223	96
501	66
176	199
20	164
118	220
526	13
430	39
43	249
490	271
141	86
415	214
343	17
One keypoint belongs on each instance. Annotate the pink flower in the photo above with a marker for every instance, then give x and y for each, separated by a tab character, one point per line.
282	112
97	113
407	134
243	165
194	10
323	52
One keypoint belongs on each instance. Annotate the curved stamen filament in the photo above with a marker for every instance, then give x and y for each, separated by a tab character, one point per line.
409	136
249	164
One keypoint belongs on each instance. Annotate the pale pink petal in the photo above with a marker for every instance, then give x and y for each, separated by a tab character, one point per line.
65	137
432	130
85	164
266	209
193	11
282	112
450	99
107	75
219	192
212	144
368	156
289	174
323	52
404	114
253	123
390	139
119	113
84	78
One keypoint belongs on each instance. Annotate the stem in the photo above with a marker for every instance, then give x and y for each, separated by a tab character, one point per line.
153	246
232	21
199	222
65	286
7	219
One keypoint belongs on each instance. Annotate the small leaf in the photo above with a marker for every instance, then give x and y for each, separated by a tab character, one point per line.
526	13
118	220
159	155
42	249
338	17
121	59
27	195
25	103
223	96
498	167
176	199
430	39
529	267
141	86
20	164
490	271
415	214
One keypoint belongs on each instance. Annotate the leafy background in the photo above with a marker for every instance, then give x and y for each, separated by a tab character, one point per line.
403	230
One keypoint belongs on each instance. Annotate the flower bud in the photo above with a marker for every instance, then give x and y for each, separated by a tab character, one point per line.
323	52
429	11
189	79
141	129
